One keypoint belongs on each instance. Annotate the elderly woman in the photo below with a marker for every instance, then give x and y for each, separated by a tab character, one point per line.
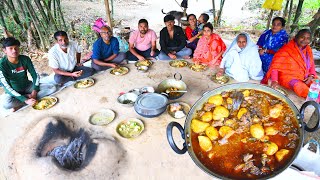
271	41
210	48
192	32
241	61
293	65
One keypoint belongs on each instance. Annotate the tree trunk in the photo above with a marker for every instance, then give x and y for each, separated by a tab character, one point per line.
289	15
214	14
315	22
269	19
220	11
43	14
50	17
106	4
43	41
297	16
13	12
2	21
61	15
285	12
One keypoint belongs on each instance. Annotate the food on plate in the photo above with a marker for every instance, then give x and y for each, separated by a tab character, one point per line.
198	67
178	63
220	79
246	143
178	109
143	63
45	103
130	128
84	83
119	71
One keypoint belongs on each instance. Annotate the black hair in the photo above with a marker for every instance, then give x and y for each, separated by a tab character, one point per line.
242	34
168	18
208	25
190	16
205	17
10	41
143	21
283	21
301	32
59	33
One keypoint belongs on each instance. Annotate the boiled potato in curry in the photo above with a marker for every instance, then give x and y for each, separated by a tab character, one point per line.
216	100
220	112
245	143
198	126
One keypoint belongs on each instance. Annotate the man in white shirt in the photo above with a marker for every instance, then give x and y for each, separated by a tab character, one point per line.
64	59
142	43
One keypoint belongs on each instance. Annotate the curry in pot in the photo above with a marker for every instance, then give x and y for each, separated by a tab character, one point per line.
244	136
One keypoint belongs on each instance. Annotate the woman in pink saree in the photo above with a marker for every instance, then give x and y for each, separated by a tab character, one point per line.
210	48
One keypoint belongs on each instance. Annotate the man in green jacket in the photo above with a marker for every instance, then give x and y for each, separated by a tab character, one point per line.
19	90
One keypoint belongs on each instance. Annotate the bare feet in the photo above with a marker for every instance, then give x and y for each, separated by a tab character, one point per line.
186	57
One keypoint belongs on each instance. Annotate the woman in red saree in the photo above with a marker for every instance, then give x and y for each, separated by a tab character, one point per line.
210	48
293	66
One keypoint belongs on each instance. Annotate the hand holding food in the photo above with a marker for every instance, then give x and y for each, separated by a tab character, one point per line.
30	101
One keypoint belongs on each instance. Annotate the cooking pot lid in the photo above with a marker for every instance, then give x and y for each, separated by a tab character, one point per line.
152	101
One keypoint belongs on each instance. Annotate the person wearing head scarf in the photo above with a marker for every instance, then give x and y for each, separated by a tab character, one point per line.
241	61
293	66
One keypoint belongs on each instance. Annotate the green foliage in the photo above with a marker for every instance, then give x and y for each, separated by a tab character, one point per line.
311	4
85	32
260	26
238	28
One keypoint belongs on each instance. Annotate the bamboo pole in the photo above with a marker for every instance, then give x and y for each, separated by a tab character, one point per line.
61	15
289	15
297	16
106	3
285	12
220	11
269	18
214	14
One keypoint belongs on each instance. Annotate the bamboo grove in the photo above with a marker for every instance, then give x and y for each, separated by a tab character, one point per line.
35	19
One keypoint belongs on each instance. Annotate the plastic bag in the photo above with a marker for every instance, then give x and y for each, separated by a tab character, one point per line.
273	4
309	160
123	44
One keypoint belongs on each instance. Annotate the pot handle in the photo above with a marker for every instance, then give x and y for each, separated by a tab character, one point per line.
170	137
317	110
175	74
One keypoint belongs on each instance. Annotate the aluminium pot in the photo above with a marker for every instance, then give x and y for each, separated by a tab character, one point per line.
186	131
172	83
150	105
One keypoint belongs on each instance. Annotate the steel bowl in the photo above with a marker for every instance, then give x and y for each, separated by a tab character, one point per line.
127	99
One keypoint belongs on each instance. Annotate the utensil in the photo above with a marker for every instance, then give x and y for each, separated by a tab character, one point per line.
130	128
175	83
186	131
178	109
178	63
127	99
150	105
103	117
119	71
45	103
169	91
142	69
237	100
84	83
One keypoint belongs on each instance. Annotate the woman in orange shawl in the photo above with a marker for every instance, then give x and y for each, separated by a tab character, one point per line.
293	65
209	48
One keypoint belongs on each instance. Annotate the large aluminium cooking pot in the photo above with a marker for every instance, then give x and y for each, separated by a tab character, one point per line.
186	131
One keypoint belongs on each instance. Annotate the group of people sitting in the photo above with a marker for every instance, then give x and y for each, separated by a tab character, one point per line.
287	64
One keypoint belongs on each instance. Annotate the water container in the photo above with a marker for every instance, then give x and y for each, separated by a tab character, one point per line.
314	91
